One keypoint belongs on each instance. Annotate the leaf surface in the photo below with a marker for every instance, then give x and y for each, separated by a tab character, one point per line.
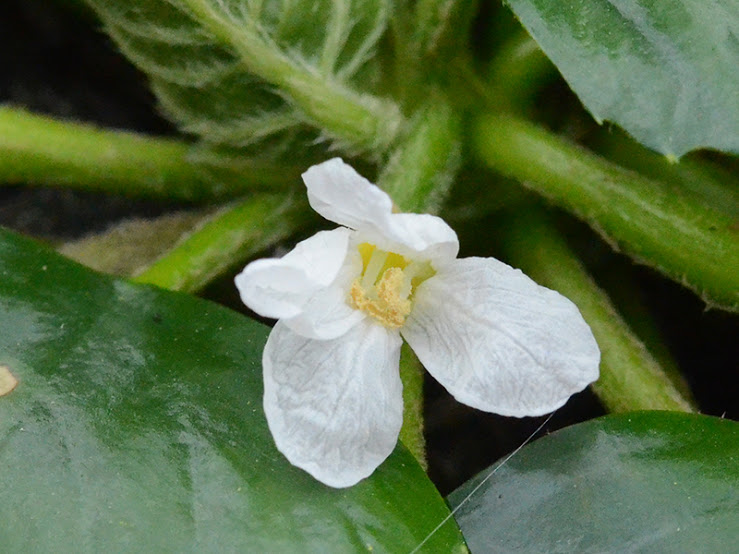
137	425
665	71
634	482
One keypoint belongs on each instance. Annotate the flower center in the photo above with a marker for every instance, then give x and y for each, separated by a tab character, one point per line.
385	288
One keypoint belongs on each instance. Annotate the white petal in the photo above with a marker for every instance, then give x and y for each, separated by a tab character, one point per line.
278	288
343	196
334	407
498	341
340	194
416	236
326	314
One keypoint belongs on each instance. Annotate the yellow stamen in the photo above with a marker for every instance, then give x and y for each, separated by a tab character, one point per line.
385	289
390	308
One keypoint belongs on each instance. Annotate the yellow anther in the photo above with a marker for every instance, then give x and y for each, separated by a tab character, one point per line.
389	308
385	289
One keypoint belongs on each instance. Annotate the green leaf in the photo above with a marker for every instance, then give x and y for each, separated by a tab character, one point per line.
137	425
665	71
636	482
239	72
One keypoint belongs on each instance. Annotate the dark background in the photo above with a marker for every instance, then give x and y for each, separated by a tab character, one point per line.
55	61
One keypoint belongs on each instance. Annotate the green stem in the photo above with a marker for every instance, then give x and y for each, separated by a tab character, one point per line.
709	183
127	246
41	150
516	73
421	170
363	121
630	301
411	434
406	68
225	241
511	81
630	377
429	23
418	177
685	239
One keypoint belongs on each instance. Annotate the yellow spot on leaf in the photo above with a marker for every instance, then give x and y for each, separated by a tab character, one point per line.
7	380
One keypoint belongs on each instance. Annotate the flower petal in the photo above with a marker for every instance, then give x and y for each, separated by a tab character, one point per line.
340	194
418	236
279	287
326	314
334	407
498	341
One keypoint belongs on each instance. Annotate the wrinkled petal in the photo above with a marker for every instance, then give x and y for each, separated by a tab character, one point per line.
340	194
418	236
499	342
279	287
326	314
334	407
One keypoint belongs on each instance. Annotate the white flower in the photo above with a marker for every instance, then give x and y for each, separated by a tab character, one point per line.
332	393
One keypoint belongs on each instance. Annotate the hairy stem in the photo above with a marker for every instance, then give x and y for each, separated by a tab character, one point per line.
40	150
671	230
420	171
225	241
417	178
411	434
630	377
708	182
131	244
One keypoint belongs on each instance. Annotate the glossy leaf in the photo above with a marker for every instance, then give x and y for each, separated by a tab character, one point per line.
665	71
636	482
137	425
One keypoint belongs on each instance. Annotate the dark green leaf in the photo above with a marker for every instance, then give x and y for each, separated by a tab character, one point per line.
635	482
137	426
665	71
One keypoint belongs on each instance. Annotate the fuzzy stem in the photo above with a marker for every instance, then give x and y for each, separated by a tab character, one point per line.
40	150
670	230
710	183
131	244
626	294
411	434
420	171
418	177
630	377
224	241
